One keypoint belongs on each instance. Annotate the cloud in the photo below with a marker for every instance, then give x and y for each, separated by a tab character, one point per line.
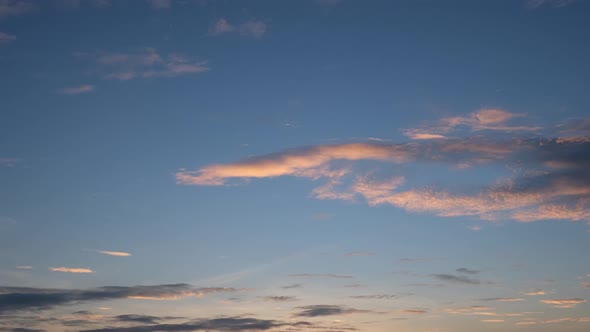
138	319
215	324
321	275
564	303
492	320
71	269
485	119
456	279
15	7
468	310
9	162
552	181
374	297
326	310
536	292
24	298
279	298
554	3
504	299
467	271
76	90
222	26
586	284
6	37
24	267
114	253
253	28
160	4
292	286
414	311
305	162
360	254
148	63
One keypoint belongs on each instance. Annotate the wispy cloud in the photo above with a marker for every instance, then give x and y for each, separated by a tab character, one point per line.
9	162
374	297
485	119
320	275
291	286
554	3
160	4
76	90
536	292
558	188
114	253
504	299
23	298
320	310
279	298
15	7
71	269
467	271
253	28
360	254
6	37
564	303
149	63
457	279
24	267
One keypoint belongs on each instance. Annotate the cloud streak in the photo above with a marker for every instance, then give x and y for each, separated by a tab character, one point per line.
149	63
71	269
26	299
114	253
76	90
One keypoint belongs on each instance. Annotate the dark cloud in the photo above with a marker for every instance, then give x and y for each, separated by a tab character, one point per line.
321	275
374	296
215	324
22	298
138	319
22	329
457	279
326	310
279	298
292	286
467	271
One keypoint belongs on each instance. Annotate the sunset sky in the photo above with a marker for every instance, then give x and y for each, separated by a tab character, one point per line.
294	166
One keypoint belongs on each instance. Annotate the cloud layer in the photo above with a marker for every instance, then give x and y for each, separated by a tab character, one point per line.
551	177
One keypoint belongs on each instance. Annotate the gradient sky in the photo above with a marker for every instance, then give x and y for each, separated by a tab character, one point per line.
327	165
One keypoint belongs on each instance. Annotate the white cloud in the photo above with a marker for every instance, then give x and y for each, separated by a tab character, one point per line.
71	269
76	90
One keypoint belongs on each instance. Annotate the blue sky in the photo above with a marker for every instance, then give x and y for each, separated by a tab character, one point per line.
334	165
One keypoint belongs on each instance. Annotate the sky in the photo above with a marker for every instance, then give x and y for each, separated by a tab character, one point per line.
301	165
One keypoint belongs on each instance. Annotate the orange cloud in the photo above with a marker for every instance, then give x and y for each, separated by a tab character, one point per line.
71	269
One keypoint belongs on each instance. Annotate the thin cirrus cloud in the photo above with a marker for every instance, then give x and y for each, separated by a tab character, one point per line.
6	37
253	28
536	292
320	310
148	63
26	299
76	90
504	299
15	8
320	275
554	183
555	3
467	271
456	279
564	303
114	253
485	119
71	269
